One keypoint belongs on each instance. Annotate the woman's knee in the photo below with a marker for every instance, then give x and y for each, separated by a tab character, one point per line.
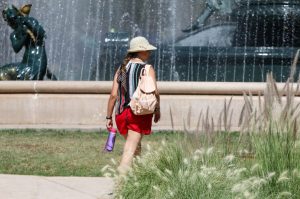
134	136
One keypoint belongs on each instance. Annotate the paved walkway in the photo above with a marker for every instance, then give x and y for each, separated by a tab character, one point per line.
37	187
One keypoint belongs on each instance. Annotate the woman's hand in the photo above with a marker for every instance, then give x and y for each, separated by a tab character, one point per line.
109	123
156	116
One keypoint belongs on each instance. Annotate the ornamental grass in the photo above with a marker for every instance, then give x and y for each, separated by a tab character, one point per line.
261	160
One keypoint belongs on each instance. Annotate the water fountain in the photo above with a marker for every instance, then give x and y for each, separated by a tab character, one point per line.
237	41
242	42
255	38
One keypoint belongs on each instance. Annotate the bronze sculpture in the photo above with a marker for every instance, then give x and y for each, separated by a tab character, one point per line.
224	7
28	33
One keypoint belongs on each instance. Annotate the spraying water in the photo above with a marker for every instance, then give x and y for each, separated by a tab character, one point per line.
223	40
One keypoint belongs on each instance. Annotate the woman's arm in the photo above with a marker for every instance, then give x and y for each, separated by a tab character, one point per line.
157	110
112	101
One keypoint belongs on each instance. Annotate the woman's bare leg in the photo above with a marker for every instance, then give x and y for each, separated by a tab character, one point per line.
132	141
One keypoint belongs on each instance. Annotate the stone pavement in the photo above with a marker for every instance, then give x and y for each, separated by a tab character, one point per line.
38	187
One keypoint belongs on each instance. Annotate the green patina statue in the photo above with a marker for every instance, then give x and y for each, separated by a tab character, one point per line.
221	6
28	33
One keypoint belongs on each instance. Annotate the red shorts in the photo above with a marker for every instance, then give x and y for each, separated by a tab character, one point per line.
138	123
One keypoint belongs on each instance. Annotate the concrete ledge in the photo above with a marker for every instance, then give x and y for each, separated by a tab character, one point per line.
55	87
82	105
104	87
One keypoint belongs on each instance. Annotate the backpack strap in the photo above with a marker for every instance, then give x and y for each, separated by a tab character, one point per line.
147	69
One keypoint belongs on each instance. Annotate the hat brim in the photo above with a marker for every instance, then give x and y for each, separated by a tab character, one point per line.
148	48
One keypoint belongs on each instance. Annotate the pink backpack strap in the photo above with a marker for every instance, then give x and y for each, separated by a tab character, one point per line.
147	69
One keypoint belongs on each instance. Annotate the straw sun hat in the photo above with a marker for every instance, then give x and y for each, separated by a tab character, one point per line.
139	44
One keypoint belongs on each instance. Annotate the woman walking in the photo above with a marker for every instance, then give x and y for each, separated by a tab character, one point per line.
132	127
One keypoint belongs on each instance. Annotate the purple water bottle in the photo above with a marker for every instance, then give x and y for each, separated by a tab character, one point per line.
109	146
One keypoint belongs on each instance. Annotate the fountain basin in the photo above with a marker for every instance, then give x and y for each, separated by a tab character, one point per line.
268	23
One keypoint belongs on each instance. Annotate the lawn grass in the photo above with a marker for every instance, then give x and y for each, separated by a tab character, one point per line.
61	153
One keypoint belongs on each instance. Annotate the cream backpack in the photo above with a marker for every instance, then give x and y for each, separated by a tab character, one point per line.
144	101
